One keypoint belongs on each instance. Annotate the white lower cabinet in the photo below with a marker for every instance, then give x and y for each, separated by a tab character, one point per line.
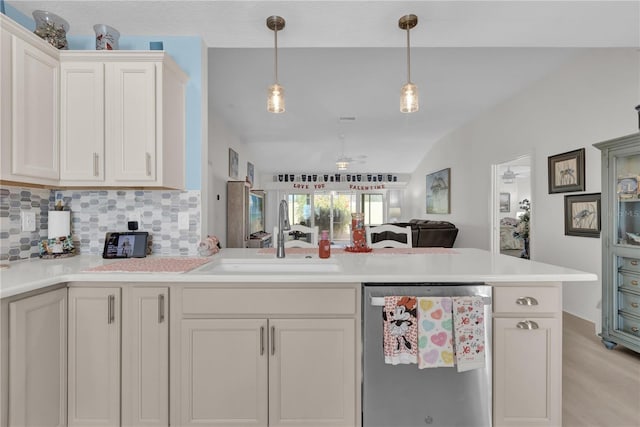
527	361
145	356
118	333
311	372
94	356
278	367
38	360
224	372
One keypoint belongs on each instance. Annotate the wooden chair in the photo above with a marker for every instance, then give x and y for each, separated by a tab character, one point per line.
297	243
389	243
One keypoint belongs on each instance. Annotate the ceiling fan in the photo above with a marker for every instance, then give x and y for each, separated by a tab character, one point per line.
509	176
343	161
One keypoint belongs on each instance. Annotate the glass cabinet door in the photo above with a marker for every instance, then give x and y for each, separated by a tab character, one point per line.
627	173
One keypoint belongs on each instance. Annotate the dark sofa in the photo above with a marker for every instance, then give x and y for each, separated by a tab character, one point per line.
424	233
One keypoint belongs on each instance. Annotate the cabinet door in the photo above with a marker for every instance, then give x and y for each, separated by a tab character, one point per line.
82	121
312	378
35	113
5	103
145	357
94	357
38	360
224	372
130	102
527	372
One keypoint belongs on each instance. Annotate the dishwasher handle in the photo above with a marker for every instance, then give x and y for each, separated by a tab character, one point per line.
379	301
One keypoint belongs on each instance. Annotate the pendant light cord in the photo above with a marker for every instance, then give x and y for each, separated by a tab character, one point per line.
275	37
408	57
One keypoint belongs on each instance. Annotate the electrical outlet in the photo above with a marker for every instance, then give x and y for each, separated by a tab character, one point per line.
183	220
28	219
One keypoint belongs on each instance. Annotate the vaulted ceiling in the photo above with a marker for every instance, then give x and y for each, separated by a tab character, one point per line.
348	58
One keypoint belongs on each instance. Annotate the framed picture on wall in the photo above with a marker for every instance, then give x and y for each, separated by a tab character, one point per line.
250	172
233	163
438	192
582	215
566	172
505	202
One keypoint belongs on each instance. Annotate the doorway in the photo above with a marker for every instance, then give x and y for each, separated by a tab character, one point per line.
511	208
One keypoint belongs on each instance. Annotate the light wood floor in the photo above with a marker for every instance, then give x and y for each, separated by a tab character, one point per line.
600	387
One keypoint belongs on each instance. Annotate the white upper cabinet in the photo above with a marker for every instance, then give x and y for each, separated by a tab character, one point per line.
89	118
29	122
123	119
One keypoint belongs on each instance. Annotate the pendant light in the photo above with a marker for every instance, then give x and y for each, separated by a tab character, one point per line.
409	92
275	100
343	162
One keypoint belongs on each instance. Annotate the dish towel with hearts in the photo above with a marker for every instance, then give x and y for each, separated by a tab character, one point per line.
400	335
468	331
435	333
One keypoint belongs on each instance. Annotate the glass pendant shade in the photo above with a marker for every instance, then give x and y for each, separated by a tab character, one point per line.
409	98
409	92
275	93
275	99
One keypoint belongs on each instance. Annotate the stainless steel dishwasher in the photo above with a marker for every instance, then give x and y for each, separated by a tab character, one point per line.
405	396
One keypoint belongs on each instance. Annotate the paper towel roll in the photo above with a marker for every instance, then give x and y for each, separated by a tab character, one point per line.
59	224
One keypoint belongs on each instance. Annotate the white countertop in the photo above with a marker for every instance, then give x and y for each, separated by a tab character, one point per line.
462	265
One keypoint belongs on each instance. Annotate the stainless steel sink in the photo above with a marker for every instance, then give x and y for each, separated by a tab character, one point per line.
271	265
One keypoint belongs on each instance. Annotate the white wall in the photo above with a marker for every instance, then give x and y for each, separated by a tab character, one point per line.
221	138
588	100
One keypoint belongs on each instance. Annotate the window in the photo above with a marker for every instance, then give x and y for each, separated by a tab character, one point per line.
331	211
373	209
300	209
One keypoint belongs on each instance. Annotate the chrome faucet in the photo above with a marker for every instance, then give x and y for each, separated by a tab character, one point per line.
283	225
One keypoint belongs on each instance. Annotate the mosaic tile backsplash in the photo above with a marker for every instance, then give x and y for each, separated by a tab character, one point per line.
94	212
16	244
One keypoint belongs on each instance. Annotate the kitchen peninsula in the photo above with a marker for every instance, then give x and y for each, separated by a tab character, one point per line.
290	329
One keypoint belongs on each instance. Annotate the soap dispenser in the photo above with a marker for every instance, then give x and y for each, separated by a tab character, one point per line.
324	249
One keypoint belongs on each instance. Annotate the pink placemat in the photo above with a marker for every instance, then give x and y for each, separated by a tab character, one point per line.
380	251
151	265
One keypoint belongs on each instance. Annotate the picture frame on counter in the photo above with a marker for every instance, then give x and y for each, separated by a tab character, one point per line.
566	172
582	215
233	163
438	192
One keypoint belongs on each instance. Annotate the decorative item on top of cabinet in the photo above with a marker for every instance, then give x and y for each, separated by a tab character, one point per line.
116	137
51	28
621	242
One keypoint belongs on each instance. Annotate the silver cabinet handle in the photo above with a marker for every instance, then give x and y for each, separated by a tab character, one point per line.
160	308
527	324
273	340
261	340
148	165
634	329
111	317
635	304
634	262
96	164
527	301
634	282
